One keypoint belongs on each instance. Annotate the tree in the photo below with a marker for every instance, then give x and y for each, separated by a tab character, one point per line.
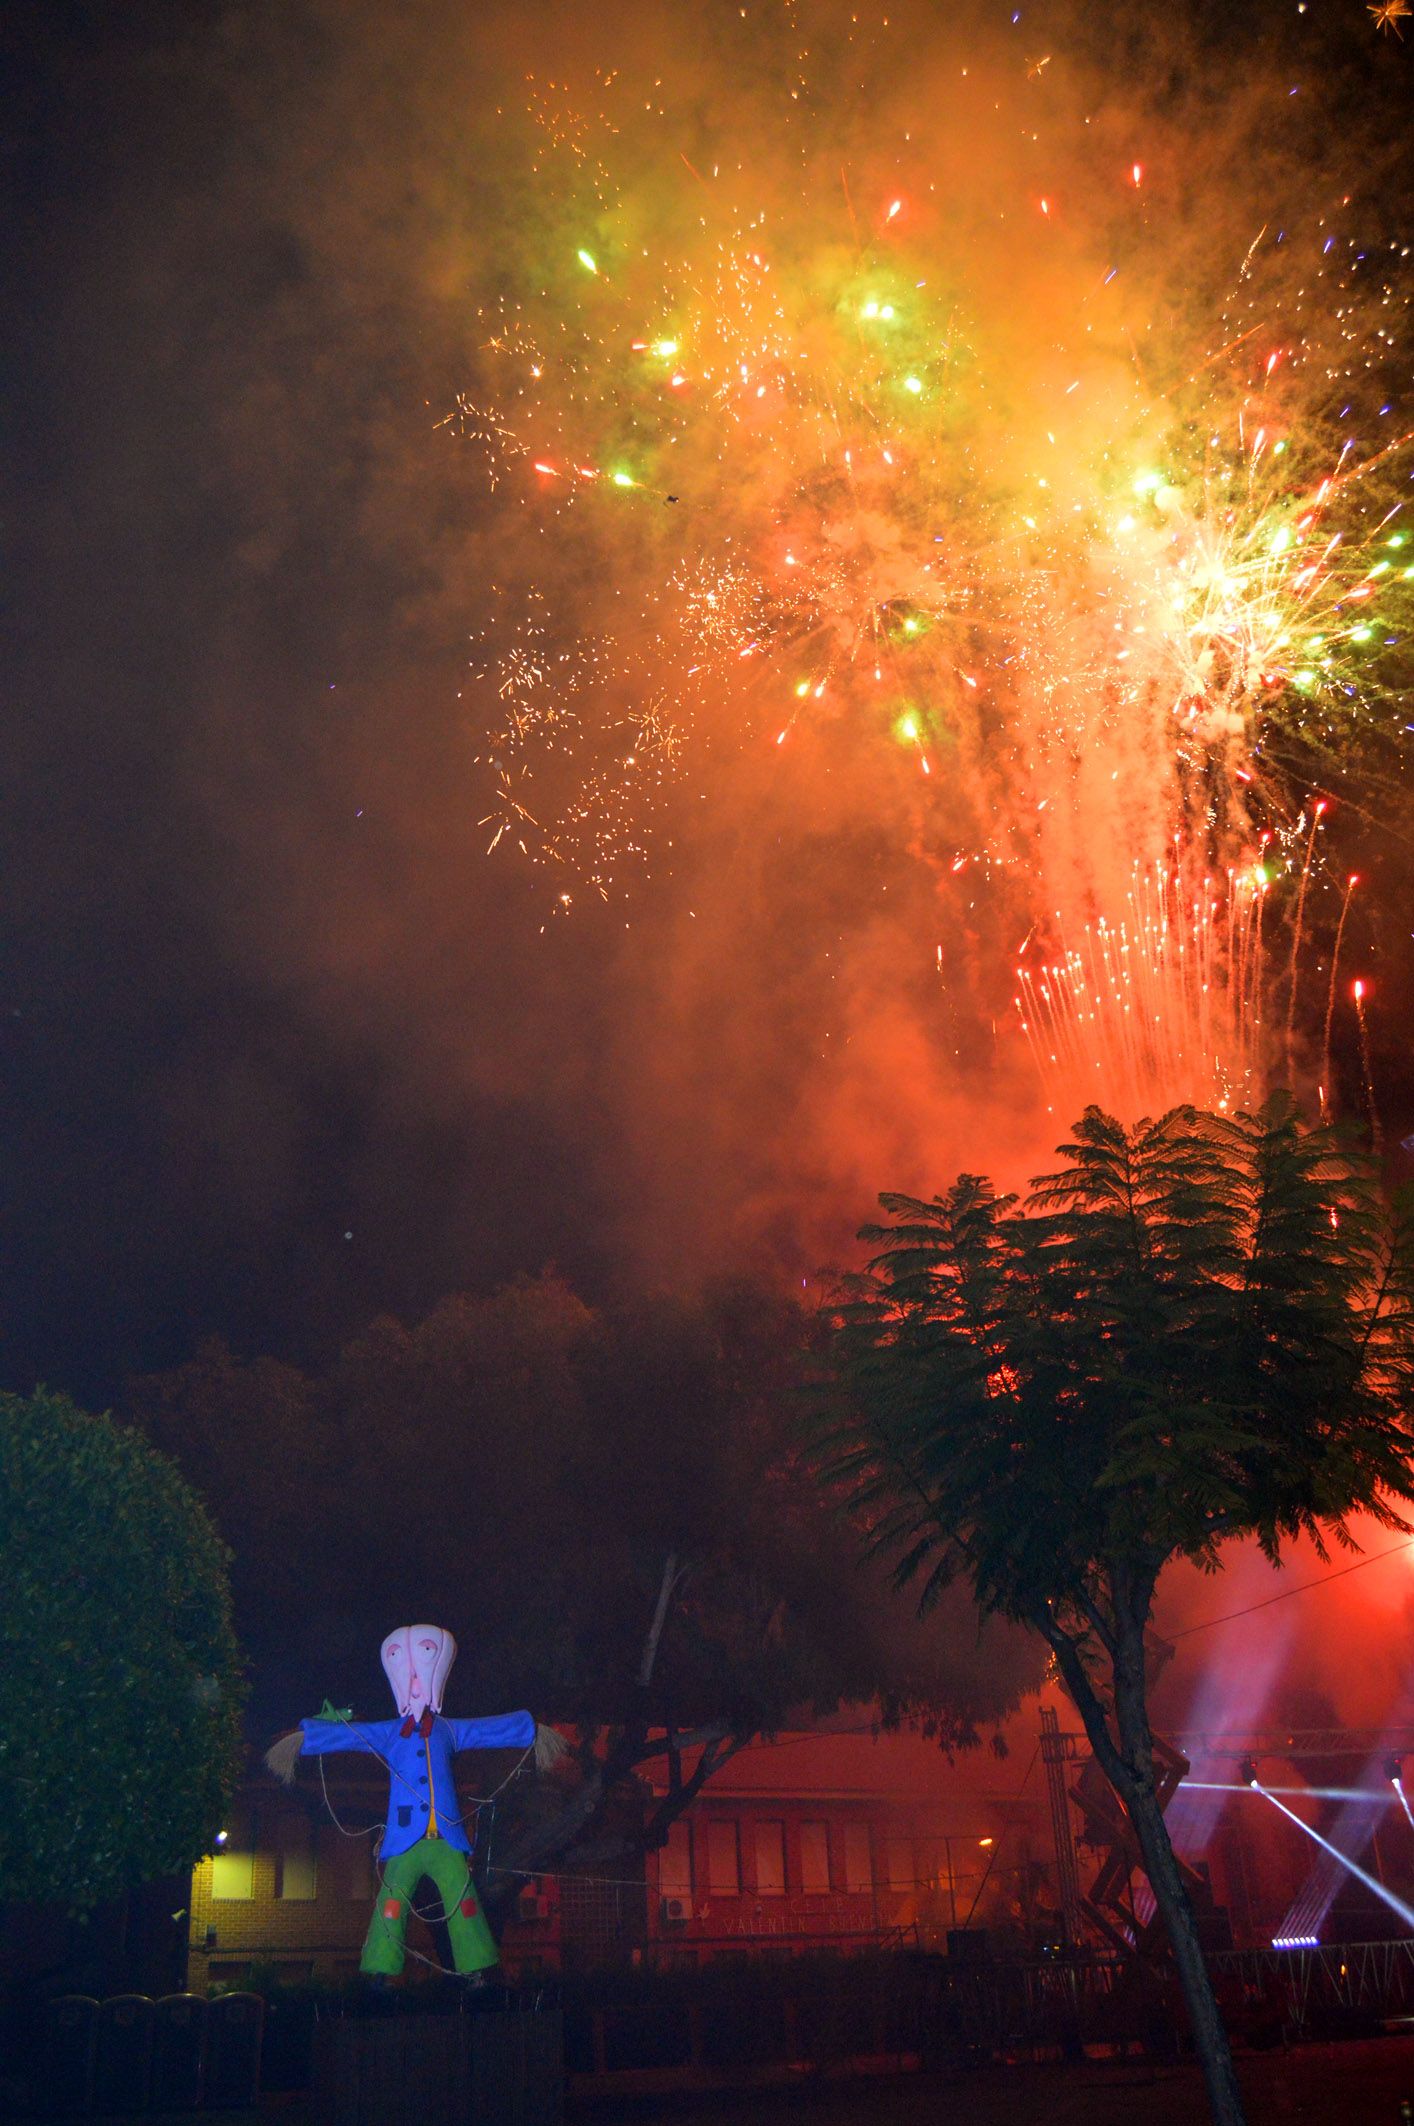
610	1509
120	1725
253	1441
705	1581
1197	1329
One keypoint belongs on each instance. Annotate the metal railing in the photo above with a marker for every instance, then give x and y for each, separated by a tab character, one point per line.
1376	1977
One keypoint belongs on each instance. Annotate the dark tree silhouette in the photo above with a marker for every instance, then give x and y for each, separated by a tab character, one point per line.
1197	1329
609	1507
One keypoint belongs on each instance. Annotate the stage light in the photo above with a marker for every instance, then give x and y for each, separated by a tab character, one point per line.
1394	1766
1296	1941
1247	1771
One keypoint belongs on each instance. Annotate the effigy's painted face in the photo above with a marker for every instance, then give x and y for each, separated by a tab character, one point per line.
417	1659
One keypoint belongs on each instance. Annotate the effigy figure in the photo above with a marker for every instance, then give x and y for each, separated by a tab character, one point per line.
424	1835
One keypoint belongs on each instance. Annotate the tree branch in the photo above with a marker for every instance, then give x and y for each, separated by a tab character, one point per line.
625	1749
655	1629
676	1740
1096	1619
671	1805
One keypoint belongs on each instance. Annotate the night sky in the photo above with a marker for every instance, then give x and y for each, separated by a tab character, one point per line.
281	1046
278	1050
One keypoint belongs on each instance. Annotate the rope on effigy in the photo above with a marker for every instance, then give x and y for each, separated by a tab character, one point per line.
368	1830
476	1801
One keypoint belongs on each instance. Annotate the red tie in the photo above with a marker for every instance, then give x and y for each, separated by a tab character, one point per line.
421	1727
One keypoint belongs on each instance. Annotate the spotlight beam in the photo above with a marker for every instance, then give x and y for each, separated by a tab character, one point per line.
1398	1785
1377	1888
1313	1793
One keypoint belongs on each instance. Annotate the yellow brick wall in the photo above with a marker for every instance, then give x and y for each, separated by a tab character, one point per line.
318	1937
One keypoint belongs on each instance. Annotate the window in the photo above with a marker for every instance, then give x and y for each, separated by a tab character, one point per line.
723	1859
294	1857
233	1862
347	1864
770	1859
933	1863
815	1858
858	1874
228	1978
675	1862
902	1872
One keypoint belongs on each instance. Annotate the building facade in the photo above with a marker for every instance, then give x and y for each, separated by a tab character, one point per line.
841	1840
838	1839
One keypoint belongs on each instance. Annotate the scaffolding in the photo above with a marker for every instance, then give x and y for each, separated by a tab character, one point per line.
1115	1913
1058	1751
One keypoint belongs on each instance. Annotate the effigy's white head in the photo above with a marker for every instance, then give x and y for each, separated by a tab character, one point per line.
417	1659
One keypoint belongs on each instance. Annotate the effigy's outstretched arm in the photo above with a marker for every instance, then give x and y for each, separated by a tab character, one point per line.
322	1737
503	1731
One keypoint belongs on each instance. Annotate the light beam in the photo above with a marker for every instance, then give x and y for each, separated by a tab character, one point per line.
1371	1882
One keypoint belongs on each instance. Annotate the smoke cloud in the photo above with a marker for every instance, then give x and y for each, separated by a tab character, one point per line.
299	1048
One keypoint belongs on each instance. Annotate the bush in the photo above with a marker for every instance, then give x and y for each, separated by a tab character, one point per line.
120	1722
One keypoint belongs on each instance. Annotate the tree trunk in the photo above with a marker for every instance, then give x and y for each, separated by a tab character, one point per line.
537	1845
1171	1896
1140	1797
1126	1757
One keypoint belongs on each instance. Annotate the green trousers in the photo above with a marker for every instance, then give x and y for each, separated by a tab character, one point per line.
473	1945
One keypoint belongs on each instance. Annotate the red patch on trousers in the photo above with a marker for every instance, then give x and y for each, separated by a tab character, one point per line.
392	1908
468	1908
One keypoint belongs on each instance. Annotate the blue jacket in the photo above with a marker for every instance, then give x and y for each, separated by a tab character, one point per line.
422	1795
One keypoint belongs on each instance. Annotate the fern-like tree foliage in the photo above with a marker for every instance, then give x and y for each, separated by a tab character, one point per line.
1197	1329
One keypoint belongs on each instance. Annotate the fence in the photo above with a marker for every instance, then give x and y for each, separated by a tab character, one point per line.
1349	1983
902	2008
917	2010
745	2020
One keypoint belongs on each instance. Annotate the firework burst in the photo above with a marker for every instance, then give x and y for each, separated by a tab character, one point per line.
801	428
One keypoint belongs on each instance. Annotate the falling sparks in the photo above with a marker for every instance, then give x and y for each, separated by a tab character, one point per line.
1388	15
1359	991
778	473
1165	1005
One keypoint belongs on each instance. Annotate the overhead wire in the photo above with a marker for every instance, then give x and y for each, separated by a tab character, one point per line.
1286	1594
